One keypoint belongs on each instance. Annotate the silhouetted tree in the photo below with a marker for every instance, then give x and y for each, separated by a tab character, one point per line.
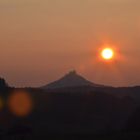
3	83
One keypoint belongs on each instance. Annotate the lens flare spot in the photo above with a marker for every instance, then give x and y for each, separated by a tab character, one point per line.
20	103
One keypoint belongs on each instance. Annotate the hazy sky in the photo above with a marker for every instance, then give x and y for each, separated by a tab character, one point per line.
41	40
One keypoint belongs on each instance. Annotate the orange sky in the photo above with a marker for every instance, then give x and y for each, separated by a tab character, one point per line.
40	40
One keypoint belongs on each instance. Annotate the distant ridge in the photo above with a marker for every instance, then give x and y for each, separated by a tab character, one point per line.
72	79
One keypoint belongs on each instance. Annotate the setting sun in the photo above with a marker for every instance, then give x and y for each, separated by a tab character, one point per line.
107	53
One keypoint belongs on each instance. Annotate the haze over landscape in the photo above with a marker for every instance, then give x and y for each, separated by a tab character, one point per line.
69	67
41	40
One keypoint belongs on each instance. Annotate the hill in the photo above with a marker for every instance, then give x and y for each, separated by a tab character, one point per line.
72	79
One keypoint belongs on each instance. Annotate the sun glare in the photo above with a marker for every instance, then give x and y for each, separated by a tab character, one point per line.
107	54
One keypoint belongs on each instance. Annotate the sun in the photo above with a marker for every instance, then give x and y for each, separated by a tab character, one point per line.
107	53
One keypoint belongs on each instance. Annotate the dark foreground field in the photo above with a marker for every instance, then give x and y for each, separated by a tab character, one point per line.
74	112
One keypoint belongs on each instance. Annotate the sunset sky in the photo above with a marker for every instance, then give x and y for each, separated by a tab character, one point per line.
41	40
